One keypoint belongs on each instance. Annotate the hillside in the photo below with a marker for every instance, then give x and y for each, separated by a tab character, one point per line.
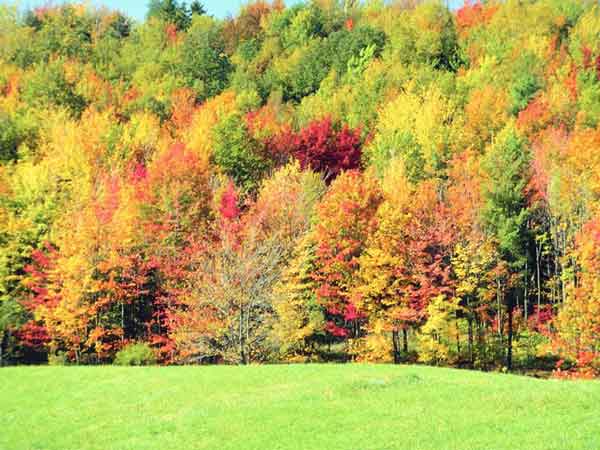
322	181
292	407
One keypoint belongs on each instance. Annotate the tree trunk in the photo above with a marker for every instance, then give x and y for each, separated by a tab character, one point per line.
122	321
395	343
243	356
2	349
470	340
525	303
457	340
538	256
510	334
404	340
499	303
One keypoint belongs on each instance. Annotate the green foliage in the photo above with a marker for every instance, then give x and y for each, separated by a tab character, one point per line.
589	98
9	139
297	25
66	33
175	12
48	86
343	45
300	72
204	66
237	153
138	354
505	212
426	35
14	131
525	83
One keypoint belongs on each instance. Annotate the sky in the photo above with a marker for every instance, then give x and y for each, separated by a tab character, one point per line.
137	8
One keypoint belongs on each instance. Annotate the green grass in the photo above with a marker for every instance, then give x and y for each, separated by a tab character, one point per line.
292	407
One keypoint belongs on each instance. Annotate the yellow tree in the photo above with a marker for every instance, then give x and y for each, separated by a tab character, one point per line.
406	261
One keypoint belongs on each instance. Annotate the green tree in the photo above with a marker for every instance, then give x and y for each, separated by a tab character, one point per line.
236	152
205	67
505	212
172	11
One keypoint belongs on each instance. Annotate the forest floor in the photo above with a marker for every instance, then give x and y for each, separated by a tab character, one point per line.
325	407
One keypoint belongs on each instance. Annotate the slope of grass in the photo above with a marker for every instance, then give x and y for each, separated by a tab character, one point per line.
292	407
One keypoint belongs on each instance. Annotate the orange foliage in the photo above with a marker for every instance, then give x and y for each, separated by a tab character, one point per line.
183	106
473	14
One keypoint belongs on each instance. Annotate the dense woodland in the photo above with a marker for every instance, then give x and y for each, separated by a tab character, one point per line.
329	181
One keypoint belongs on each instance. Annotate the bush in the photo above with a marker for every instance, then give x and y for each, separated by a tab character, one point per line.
58	359
135	355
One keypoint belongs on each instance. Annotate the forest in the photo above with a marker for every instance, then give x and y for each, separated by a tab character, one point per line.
328	181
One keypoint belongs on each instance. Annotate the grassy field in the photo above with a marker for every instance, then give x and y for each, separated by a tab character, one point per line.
292	407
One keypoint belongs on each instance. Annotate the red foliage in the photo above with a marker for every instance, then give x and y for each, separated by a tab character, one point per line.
171	32
535	116
42	262
138	173
130	95
229	204
33	335
11	86
42	11
540	318
349	24
320	147
549	144
176	174
587	57
336	331
427	250
231	226
346	218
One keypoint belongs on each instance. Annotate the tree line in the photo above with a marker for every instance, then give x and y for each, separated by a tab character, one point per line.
328	181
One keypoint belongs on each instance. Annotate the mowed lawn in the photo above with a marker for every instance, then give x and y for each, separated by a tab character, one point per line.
292	407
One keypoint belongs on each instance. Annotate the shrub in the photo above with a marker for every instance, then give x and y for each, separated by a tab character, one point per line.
135	355
58	359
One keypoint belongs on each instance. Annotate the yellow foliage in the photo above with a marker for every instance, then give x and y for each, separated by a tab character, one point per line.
440	332
141	135
373	348
299	318
199	136
485	115
471	263
395	185
429	117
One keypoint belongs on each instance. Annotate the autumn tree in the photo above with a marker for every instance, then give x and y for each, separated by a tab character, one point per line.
406	264
320	147
230	310
345	219
578	337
